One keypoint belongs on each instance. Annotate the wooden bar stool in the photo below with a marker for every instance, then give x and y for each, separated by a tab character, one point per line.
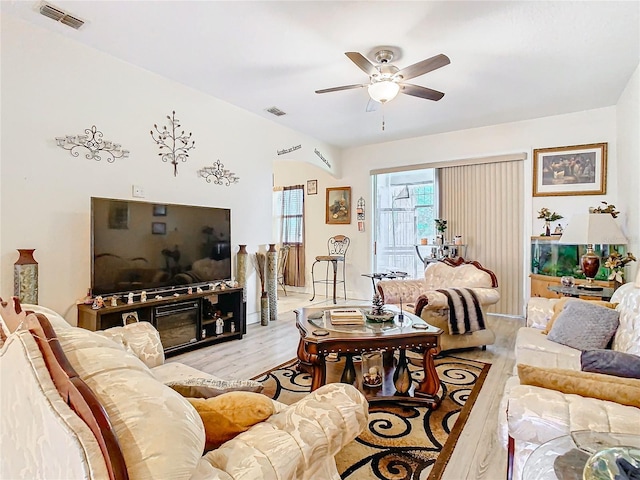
337	248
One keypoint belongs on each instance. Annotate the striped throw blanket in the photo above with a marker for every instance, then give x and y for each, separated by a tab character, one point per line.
465	314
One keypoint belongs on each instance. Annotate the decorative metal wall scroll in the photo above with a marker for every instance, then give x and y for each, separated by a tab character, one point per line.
360	214
94	144
173	146
218	174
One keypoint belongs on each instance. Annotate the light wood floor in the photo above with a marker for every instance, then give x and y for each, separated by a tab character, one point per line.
478	453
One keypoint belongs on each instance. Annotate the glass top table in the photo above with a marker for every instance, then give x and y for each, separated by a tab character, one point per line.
565	457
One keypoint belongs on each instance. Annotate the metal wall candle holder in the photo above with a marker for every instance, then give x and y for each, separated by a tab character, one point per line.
218	174
173	146
92	142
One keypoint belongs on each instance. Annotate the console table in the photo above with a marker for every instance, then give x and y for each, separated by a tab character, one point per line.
184	320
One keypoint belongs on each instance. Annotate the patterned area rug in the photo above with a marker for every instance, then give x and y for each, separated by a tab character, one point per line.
402	441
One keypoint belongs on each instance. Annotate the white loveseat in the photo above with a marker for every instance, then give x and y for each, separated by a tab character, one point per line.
159	433
532	415
421	296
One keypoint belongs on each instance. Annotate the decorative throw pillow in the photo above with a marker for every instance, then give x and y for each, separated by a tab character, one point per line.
584	326
625	391
206	387
230	414
611	362
559	306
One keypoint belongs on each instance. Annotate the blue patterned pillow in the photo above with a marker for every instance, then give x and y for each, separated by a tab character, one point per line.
611	362
584	326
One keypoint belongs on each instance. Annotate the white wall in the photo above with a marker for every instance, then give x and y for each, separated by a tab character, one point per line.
572	129
53	86
628	126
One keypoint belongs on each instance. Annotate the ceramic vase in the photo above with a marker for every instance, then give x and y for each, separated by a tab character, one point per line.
25	277
271	281
402	377
264	309
241	270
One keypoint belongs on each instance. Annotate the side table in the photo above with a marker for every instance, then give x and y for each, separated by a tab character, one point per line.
380	276
575	291
566	456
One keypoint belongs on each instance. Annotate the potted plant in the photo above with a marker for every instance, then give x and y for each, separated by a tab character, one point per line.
548	216
616	263
441	227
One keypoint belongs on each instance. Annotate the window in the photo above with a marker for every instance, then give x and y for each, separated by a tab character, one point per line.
288	214
406	206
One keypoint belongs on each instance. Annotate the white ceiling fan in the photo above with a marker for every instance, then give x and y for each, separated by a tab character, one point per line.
387	80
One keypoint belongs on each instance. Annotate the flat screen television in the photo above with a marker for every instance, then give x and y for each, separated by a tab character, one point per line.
150	246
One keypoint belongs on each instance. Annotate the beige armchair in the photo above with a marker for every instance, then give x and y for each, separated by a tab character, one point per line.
467	287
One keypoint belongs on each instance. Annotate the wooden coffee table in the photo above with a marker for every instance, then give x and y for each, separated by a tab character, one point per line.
319	338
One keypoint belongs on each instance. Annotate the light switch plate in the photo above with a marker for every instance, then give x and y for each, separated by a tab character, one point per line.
137	191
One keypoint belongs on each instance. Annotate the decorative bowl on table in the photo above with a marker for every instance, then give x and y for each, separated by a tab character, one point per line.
385	317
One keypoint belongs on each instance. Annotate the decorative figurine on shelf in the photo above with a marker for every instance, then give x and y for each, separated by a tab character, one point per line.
143	296
233	327
372	378
219	326
98	303
190	290
130	298
114	301
211	286
198	290
157	297
548	216
558	230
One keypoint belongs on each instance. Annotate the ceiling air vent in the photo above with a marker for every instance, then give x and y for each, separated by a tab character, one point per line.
276	111
61	16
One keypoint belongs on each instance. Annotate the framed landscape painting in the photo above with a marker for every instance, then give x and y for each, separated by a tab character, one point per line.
338	207
572	170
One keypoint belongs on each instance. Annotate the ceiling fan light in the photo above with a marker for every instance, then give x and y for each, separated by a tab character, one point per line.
383	91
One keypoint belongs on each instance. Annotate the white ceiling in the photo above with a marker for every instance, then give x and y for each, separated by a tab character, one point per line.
510	60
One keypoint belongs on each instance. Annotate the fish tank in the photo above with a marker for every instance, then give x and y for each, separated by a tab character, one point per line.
548	257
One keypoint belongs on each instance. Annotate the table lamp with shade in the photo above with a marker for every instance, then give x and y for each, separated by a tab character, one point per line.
592	229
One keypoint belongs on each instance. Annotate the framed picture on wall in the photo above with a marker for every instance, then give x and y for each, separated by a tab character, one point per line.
158	228
312	187
572	170
159	210
338	206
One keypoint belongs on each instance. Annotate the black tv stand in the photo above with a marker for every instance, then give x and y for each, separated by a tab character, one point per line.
185	321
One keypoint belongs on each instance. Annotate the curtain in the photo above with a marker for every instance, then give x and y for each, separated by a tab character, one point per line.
289	214
484	204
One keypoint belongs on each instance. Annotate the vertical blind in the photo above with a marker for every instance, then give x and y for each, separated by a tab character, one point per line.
484	204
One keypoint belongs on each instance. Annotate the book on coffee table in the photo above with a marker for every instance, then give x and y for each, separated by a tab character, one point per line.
346	316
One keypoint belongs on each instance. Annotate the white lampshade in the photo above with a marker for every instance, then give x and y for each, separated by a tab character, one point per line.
383	91
594	229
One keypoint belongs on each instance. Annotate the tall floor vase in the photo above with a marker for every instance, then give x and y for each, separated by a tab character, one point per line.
25	277
241	270
272	281
264	309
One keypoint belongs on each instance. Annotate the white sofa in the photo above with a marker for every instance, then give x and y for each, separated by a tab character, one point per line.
421	297
160	434
532	415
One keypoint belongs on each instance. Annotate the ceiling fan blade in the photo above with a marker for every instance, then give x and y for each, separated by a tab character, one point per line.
344	87
425	66
365	65
372	105
422	92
